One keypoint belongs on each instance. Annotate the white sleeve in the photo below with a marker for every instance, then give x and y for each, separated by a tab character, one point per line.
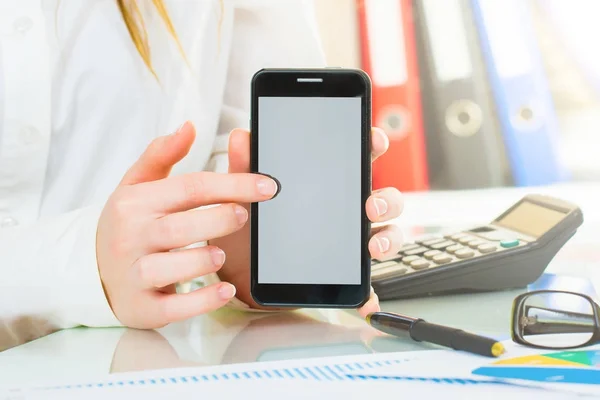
50	274
266	34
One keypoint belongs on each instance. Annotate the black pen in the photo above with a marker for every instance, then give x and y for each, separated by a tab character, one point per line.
423	331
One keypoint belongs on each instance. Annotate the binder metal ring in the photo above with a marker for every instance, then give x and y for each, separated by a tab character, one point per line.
395	122
464	118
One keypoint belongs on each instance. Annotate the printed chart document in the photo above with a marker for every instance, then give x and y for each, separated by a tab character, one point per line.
575	371
422	373
295	390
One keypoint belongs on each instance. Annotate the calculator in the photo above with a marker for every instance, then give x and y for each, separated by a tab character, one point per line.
511	251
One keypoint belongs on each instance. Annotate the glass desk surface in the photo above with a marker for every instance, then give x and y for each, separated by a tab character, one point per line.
229	336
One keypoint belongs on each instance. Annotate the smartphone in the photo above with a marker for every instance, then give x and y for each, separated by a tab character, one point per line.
310	132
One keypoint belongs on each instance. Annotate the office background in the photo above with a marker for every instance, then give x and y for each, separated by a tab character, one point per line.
550	63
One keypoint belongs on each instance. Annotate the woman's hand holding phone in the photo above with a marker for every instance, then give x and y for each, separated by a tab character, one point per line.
382	206
150	214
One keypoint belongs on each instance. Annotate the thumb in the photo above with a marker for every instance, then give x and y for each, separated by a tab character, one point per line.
161	155
239	151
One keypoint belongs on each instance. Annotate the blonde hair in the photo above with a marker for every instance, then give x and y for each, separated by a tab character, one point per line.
132	16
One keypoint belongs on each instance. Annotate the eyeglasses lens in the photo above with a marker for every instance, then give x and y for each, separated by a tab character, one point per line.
556	320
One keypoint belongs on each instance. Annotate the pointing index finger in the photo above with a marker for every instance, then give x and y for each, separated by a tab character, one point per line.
185	192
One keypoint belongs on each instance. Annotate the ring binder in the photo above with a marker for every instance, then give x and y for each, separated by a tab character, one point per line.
520	90
389	55
464	146
529	117
395	121
464	118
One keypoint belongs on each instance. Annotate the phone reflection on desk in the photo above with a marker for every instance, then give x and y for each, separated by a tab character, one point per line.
281	336
294	336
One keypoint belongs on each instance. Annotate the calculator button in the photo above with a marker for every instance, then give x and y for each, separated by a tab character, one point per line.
397	258
426	239
442	258
475	243
417	251
464	253
431	253
419	264
455	236
408	247
431	241
383	265
452	249
509	243
486	248
410	259
395	270
466	239
442	245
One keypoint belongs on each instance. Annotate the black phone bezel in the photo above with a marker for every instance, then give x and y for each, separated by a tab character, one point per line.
325	82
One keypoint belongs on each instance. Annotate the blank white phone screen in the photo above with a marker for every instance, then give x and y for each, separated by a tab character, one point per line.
310	233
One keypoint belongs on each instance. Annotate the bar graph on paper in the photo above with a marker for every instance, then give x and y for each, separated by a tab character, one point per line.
336	369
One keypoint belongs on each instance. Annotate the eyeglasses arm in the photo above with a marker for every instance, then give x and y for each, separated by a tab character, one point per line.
531	326
547	328
559	313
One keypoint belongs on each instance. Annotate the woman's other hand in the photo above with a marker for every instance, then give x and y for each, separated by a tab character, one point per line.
149	214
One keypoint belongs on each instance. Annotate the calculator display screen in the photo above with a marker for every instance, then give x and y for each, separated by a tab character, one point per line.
531	219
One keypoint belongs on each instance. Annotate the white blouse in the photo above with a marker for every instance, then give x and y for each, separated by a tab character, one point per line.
78	106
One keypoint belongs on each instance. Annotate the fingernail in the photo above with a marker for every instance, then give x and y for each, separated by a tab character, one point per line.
380	206
385	136
227	291
218	256
267	187
176	131
241	214
383	243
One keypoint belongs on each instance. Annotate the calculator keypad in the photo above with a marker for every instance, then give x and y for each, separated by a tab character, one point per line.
433	252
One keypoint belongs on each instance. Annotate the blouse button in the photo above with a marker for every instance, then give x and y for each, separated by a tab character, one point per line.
29	135
8	222
22	25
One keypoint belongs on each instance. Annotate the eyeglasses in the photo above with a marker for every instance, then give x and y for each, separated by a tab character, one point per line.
551	319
